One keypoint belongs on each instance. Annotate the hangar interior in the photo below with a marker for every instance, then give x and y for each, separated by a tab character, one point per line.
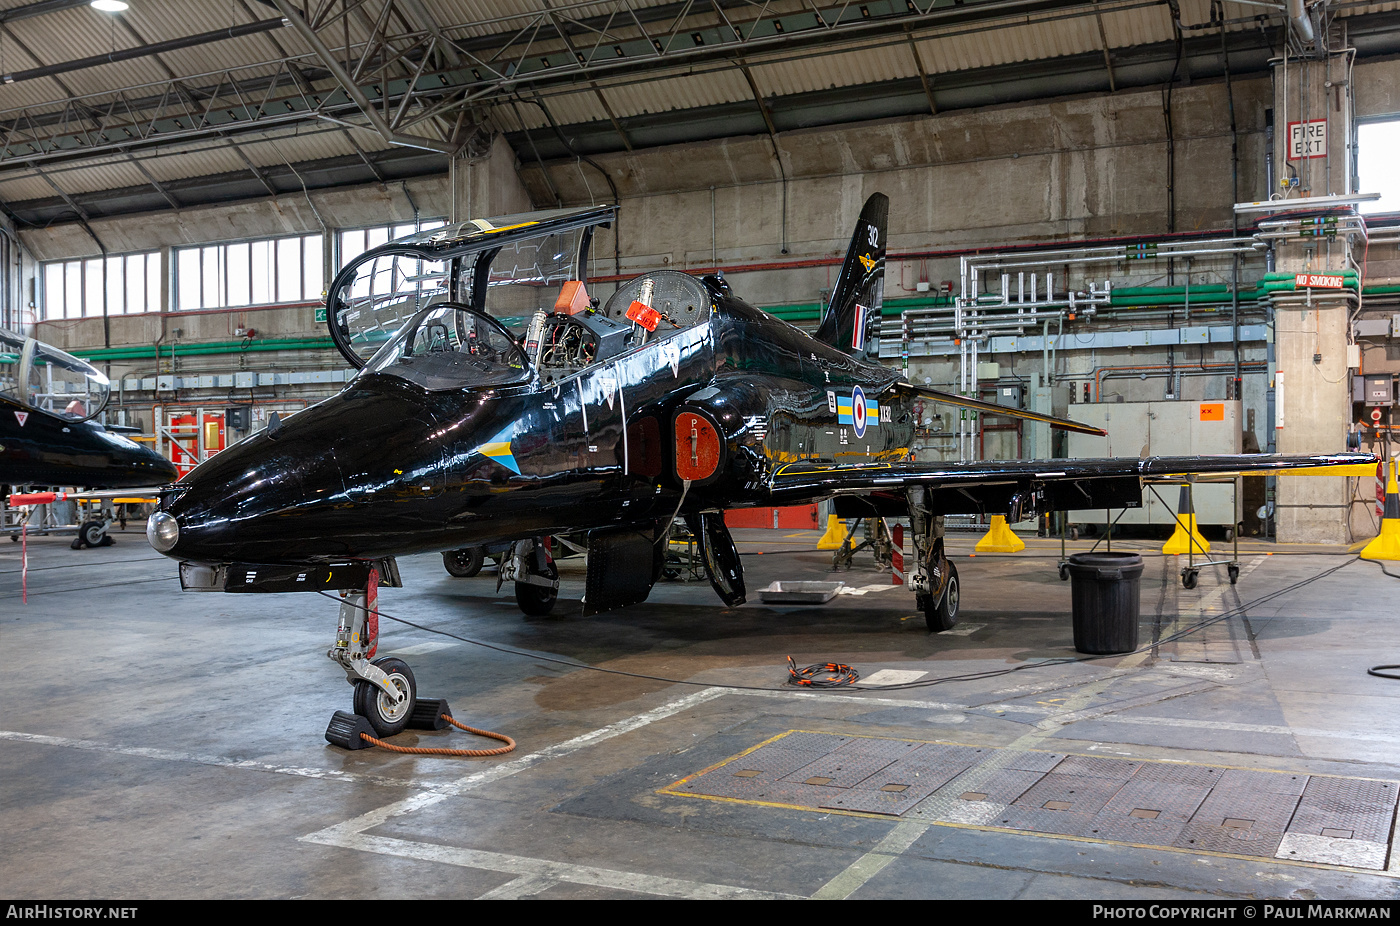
1099	210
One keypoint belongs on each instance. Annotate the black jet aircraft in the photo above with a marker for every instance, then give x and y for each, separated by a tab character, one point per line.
603	422
48	400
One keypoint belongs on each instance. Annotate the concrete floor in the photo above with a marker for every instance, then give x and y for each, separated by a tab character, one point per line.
163	744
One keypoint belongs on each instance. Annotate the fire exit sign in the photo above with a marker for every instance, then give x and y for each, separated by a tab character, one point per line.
1307	139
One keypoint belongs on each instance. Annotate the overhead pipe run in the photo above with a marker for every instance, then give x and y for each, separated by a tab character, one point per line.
1302	24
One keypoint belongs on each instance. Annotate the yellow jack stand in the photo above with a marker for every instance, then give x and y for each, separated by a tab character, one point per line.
1387	543
835	533
1000	539
1186	537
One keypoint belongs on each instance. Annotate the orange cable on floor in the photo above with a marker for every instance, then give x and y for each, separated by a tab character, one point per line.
474	753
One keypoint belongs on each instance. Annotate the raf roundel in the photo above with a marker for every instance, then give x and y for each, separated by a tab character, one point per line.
858	411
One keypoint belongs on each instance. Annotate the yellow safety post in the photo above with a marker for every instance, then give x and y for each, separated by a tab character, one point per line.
835	533
1000	538
1387	542
1186	537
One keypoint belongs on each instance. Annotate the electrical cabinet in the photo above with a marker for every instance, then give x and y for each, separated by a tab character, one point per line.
1162	429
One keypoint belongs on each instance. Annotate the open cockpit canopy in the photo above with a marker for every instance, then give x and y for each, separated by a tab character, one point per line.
45	378
438	308
506	267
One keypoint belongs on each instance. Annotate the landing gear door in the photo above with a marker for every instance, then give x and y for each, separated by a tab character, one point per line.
721	557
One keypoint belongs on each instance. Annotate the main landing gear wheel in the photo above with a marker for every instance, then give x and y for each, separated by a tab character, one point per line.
944	614
374	705
537	600
464	563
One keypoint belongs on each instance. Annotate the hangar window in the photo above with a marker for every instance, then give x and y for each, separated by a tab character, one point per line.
1377	152
75	288
268	271
356	241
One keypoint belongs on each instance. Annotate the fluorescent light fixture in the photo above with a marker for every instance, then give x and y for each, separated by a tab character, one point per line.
1306	202
109	6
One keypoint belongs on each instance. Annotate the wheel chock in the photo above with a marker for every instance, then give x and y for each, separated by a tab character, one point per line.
345	729
428	714
1000	538
835	534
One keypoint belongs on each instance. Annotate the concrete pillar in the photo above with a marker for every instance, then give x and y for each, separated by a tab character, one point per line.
1313	411
488	186
1311	326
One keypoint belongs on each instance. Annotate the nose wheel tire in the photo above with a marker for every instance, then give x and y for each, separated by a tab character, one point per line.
943	614
465	563
373	704
92	534
537	600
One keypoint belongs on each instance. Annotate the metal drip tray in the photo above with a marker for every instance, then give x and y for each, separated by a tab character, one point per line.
800	592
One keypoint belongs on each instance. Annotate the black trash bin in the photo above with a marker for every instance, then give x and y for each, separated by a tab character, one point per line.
1105	588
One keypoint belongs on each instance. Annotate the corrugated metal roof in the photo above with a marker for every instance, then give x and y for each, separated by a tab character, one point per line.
81	31
23	188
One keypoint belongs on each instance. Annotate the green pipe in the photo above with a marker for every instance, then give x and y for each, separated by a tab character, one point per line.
1145	297
211	347
1348	275
1141	291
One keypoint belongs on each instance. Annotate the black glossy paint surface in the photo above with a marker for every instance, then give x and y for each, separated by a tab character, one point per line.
389	467
38	448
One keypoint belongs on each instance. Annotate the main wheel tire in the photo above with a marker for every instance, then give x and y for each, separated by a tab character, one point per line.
943	614
536	600
374	705
464	563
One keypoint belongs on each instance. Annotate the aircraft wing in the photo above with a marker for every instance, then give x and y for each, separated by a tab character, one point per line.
1000	486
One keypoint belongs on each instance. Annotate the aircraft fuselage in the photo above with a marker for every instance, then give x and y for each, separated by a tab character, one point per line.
388	467
39	448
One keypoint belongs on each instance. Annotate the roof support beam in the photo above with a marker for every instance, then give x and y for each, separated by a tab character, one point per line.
351	88
145	51
38	9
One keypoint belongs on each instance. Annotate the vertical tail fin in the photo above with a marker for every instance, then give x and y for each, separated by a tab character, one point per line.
853	316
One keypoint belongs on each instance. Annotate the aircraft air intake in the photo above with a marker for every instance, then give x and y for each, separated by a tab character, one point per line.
699	447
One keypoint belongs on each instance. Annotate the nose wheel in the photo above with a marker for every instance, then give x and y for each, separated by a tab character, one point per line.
375	705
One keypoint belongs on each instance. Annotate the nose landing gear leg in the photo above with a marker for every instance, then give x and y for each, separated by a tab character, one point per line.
385	690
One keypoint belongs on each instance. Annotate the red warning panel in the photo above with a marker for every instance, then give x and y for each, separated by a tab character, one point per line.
1212	411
